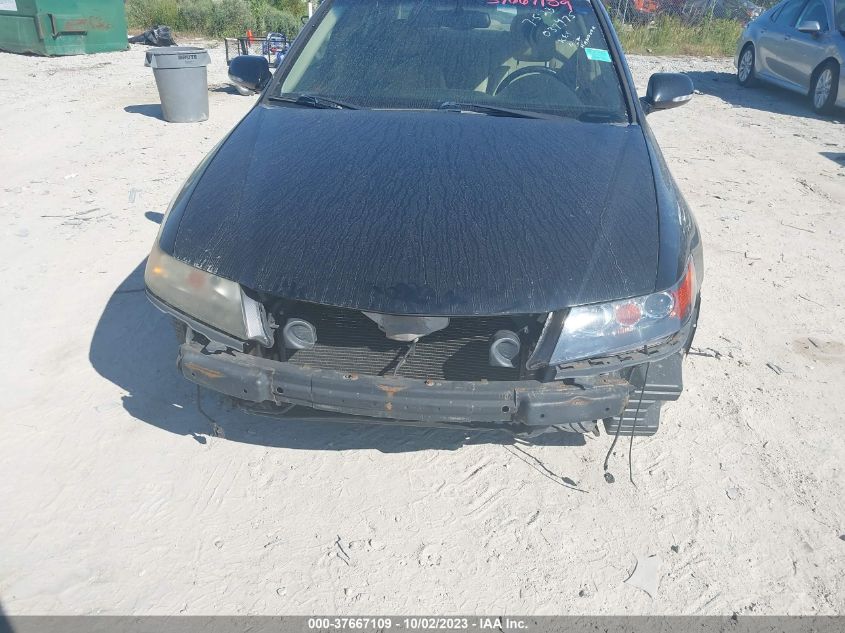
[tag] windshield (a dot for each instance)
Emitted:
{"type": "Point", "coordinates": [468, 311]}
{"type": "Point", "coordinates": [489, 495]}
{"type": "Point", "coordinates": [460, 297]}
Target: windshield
{"type": "Point", "coordinates": [539, 56]}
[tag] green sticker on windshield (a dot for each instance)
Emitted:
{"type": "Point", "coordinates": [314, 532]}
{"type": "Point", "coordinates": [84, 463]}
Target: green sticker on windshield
{"type": "Point", "coordinates": [597, 54]}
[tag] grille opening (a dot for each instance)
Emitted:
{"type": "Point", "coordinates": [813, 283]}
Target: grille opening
{"type": "Point", "coordinates": [349, 342]}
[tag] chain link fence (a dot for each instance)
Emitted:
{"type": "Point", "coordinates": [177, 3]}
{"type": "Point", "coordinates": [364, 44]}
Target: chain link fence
{"type": "Point", "coordinates": [692, 12]}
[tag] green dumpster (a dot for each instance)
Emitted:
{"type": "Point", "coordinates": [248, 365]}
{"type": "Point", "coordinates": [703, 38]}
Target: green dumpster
{"type": "Point", "coordinates": [62, 27]}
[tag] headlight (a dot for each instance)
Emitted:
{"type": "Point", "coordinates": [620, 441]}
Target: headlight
{"type": "Point", "coordinates": [620, 326]}
{"type": "Point", "coordinates": [209, 299]}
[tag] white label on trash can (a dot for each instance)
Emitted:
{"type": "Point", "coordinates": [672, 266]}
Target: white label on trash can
{"type": "Point", "coordinates": [8, 5]}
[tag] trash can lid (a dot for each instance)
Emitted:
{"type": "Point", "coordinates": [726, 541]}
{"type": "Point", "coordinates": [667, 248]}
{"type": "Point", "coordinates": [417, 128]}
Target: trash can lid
{"type": "Point", "coordinates": [177, 57]}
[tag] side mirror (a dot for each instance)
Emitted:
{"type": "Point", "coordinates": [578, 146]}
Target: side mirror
{"type": "Point", "coordinates": [667, 90]}
{"type": "Point", "coordinates": [250, 72]}
{"type": "Point", "coordinates": [812, 27]}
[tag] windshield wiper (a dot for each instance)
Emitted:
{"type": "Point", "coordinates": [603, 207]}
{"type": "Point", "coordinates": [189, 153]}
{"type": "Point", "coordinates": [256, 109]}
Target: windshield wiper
{"type": "Point", "coordinates": [314, 101]}
{"type": "Point", "coordinates": [455, 106]}
{"type": "Point", "coordinates": [600, 116]}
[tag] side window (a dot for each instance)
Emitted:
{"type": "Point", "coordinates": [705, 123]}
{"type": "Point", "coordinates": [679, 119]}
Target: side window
{"type": "Point", "coordinates": [788, 15]}
{"type": "Point", "coordinates": [815, 12]}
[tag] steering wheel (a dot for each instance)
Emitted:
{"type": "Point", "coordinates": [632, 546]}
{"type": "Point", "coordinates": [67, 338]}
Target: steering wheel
{"type": "Point", "coordinates": [524, 71]}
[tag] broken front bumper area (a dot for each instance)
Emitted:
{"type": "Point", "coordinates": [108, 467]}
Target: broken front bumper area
{"type": "Point", "coordinates": [269, 385]}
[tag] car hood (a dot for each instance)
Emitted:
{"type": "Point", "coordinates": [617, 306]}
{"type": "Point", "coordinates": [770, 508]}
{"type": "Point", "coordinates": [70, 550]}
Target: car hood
{"type": "Point", "coordinates": [436, 213]}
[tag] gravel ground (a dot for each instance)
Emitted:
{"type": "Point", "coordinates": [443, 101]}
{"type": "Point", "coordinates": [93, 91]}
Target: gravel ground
{"type": "Point", "coordinates": [121, 496]}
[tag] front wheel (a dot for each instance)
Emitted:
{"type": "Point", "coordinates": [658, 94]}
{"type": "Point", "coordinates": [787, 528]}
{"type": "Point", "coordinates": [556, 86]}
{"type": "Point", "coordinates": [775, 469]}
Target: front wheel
{"type": "Point", "coordinates": [823, 88]}
{"type": "Point", "coordinates": [745, 67]}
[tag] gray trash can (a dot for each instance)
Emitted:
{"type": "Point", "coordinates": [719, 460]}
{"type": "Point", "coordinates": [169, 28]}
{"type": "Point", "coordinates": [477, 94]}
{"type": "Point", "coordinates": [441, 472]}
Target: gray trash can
{"type": "Point", "coordinates": [182, 80]}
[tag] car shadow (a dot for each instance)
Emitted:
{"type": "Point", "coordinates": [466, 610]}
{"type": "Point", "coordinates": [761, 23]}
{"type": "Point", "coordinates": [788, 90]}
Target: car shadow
{"type": "Point", "coordinates": [224, 88]}
{"type": "Point", "coordinates": [152, 110]}
{"type": "Point", "coordinates": [836, 157]}
{"type": "Point", "coordinates": [134, 347]}
{"type": "Point", "coordinates": [5, 624]}
{"type": "Point", "coordinates": [761, 96]}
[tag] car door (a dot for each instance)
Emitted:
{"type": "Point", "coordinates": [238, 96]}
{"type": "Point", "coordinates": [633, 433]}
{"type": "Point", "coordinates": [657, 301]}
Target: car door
{"type": "Point", "coordinates": [804, 51]}
{"type": "Point", "coordinates": [772, 41]}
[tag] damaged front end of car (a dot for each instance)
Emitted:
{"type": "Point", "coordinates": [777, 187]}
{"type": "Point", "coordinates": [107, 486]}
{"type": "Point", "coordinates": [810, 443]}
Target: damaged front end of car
{"type": "Point", "coordinates": [568, 369]}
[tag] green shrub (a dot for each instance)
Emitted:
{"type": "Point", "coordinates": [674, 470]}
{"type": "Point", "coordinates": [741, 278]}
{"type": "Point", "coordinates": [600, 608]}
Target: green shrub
{"type": "Point", "coordinates": [216, 18]}
{"type": "Point", "coordinates": [668, 35]}
{"type": "Point", "coordinates": [230, 18]}
{"type": "Point", "coordinates": [271, 19]}
{"type": "Point", "coordinates": [145, 13]}
{"type": "Point", "coordinates": [194, 16]}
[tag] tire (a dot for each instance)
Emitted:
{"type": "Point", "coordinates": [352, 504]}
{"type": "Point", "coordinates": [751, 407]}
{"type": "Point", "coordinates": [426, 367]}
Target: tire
{"type": "Point", "coordinates": [745, 66]}
{"type": "Point", "coordinates": [823, 87]}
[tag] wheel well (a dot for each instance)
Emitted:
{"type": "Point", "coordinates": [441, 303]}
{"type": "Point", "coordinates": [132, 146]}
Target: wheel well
{"type": "Point", "coordinates": [694, 328]}
{"type": "Point", "coordinates": [821, 65]}
{"type": "Point", "coordinates": [745, 47]}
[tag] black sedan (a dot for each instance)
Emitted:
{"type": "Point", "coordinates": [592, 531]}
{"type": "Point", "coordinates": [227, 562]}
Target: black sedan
{"type": "Point", "coordinates": [439, 212]}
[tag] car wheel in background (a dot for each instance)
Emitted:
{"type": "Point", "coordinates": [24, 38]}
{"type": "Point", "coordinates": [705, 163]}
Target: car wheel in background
{"type": "Point", "coordinates": [745, 66]}
{"type": "Point", "coordinates": [823, 87]}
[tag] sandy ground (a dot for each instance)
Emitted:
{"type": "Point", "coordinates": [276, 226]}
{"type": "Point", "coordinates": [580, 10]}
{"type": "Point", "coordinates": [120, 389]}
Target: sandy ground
{"type": "Point", "coordinates": [118, 496]}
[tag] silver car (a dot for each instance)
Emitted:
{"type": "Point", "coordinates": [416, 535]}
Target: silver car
{"type": "Point", "coordinates": [799, 45]}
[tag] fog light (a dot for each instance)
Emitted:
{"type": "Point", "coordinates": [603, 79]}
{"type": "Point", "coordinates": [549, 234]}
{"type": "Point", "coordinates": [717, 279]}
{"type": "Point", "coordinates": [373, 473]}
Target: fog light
{"type": "Point", "coordinates": [299, 334]}
{"type": "Point", "coordinates": [659, 305]}
{"type": "Point", "coordinates": [504, 348]}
